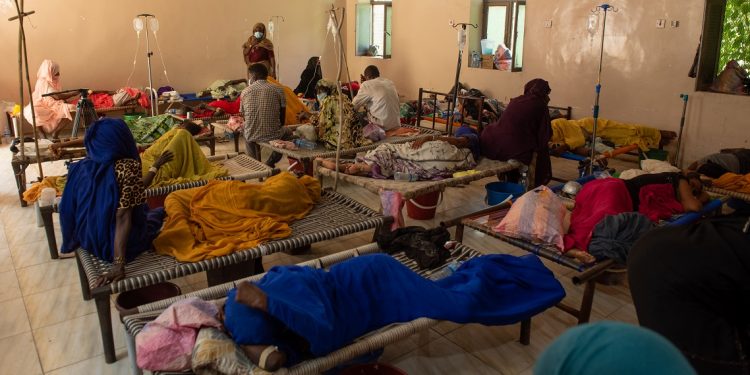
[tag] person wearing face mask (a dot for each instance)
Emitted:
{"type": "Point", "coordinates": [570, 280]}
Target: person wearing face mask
{"type": "Point", "coordinates": [52, 112]}
{"type": "Point", "coordinates": [327, 119]}
{"type": "Point", "coordinates": [259, 50]}
{"type": "Point", "coordinates": [523, 132]}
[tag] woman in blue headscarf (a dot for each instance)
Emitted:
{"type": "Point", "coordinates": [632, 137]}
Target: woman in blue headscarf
{"type": "Point", "coordinates": [103, 208]}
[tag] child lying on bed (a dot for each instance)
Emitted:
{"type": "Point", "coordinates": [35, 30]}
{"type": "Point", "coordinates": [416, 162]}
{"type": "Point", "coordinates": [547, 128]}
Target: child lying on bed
{"type": "Point", "coordinates": [426, 158]}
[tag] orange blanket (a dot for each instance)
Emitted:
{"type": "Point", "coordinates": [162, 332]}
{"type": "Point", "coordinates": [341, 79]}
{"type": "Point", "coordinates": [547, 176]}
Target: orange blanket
{"type": "Point", "coordinates": [734, 182]}
{"type": "Point", "coordinates": [225, 216]}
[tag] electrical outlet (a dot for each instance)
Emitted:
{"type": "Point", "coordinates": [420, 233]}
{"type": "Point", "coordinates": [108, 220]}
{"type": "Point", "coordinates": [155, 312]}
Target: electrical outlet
{"type": "Point", "coordinates": [660, 24]}
{"type": "Point", "coordinates": [675, 23]}
{"type": "Point", "coordinates": [548, 24]}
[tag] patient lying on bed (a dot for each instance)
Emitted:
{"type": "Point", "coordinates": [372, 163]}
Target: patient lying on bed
{"type": "Point", "coordinates": [425, 159]}
{"type": "Point", "coordinates": [296, 312]}
{"type": "Point", "coordinates": [572, 135]}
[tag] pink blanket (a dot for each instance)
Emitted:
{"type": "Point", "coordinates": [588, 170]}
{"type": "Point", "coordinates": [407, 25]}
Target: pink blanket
{"type": "Point", "coordinates": [597, 199]}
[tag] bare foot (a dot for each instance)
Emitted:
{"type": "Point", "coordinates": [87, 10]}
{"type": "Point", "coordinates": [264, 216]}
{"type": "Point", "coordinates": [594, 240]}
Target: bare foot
{"type": "Point", "coordinates": [249, 294]}
{"type": "Point", "coordinates": [581, 256]}
{"type": "Point", "coordinates": [331, 164]}
{"type": "Point", "coordinates": [358, 169]}
{"type": "Point", "coordinates": [274, 358]}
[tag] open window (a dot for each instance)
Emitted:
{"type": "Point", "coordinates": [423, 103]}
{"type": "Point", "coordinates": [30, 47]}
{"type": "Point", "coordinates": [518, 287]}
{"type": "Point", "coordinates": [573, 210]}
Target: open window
{"type": "Point", "coordinates": [373, 28]}
{"type": "Point", "coordinates": [724, 52]}
{"type": "Point", "coordinates": [498, 44]}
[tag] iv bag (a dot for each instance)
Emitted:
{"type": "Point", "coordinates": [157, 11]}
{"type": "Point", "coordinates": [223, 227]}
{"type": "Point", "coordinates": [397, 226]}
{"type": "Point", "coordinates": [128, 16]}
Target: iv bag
{"type": "Point", "coordinates": [593, 24]}
{"type": "Point", "coordinates": [270, 29]}
{"type": "Point", "coordinates": [153, 24]}
{"type": "Point", "coordinates": [138, 24]}
{"type": "Point", "coordinates": [461, 39]}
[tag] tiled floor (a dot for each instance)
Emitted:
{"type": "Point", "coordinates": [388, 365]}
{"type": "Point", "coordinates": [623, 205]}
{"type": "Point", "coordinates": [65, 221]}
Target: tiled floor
{"type": "Point", "coordinates": [46, 327]}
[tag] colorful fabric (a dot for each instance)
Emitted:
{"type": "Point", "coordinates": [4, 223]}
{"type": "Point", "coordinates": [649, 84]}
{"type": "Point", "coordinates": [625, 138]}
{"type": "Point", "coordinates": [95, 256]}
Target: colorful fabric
{"type": "Point", "coordinates": [537, 216]}
{"type": "Point", "coordinates": [294, 106]}
{"type": "Point", "coordinates": [33, 193]}
{"type": "Point", "coordinates": [434, 160]}
{"type": "Point", "coordinates": [392, 203]}
{"type": "Point", "coordinates": [597, 199]}
{"type": "Point", "coordinates": [329, 309]}
{"type": "Point", "coordinates": [166, 344]}
{"type": "Point", "coordinates": [220, 89]}
{"type": "Point", "coordinates": [262, 103]}
{"type": "Point", "coordinates": [48, 110]}
{"type": "Point", "coordinates": [327, 122]}
{"type": "Point", "coordinates": [91, 196]}
{"type": "Point", "coordinates": [130, 182]}
{"type": "Point", "coordinates": [147, 130]}
{"type": "Point", "coordinates": [259, 50]}
{"type": "Point", "coordinates": [231, 107]}
{"type": "Point", "coordinates": [522, 130]}
{"type": "Point", "coordinates": [734, 182]}
{"type": "Point", "coordinates": [611, 348]}
{"type": "Point", "coordinates": [226, 216]}
{"type": "Point", "coordinates": [658, 202]}
{"type": "Point", "coordinates": [636, 184]}
{"type": "Point", "coordinates": [189, 163]}
{"type": "Point", "coordinates": [216, 353]}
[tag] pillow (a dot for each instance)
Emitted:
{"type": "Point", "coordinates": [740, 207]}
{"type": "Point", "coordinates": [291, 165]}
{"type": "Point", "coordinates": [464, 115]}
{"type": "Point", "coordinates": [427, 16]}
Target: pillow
{"type": "Point", "coordinates": [537, 216]}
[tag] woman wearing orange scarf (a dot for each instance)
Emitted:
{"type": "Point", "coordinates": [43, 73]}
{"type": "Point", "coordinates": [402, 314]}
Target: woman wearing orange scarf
{"type": "Point", "coordinates": [258, 49]}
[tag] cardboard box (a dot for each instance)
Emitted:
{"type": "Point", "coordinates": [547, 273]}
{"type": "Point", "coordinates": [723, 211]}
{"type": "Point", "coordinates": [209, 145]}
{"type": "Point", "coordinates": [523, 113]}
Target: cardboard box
{"type": "Point", "coordinates": [488, 62]}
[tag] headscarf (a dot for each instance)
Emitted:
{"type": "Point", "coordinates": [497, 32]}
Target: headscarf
{"type": "Point", "coordinates": [263, 42]}
{"type": "Point", "coordinates": [91, 197]}
{"type": "Point", "coordinates": [537, 87]}
{"type": "Point", "coordinates": [309, 78]}
{"type": "Point", "coordinates": [47, 73]}
{"type": "Point", "coordinates": [611, 348]}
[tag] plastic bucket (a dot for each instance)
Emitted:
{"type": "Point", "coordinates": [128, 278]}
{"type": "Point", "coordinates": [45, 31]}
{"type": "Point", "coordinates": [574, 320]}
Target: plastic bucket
{"type": "Point", "coordinates": [424, 206]}
{"type": "Point", "coordinates": [373, 369]}
{"type": "Point", "coordinates": [498, 192]}
{"type": "Point", "coordinates": [127, 301]}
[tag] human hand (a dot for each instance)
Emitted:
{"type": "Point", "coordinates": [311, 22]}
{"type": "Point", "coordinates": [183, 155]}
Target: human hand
{"type": "Point", "coordinates": [116, 273]}
{"type": "Point", "coordinates": [55, 150]}
{"type": "Point", "coordinates": [164, 158]}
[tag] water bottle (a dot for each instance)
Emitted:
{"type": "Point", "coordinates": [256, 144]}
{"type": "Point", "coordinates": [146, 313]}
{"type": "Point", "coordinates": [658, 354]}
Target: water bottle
{"type": "Point", "coordinates": [447, 270]}
{"type": "Point", "coordinates": [305, 144]}
{"type": "Point", "coordinates": [6, 136]}
{"type": "Point", "coordinates": [405, 176]}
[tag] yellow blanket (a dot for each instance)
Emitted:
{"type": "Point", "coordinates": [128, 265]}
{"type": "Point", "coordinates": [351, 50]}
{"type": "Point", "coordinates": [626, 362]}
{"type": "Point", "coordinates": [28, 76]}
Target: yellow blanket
{"type": "Point", "coordinates": [294, 105]}
{"type": "Point", "coordinates": [734, 182]}
{"type": "Point", "coordinates": [57, 182]}
{"type": "Point", "coordinates": [619, 133]}
{"type": "Point", "coordinates": [225, 216]}
{"type": "Point", "coordinates": [189, 163]}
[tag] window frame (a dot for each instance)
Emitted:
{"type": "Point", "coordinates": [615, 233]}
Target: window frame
{"type": "Point", "coordinates": [511, 25]}
{"type": "Point", "coordinates": [709, 49]}
{"type": "Point", "coordinates": [388, 5]}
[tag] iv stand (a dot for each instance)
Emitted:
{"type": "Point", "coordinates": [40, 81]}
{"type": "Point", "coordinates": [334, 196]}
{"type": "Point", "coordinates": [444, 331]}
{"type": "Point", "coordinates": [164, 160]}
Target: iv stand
{"type": "Point", "coordinates": [23, 64]}
{"type": "Point", "coordinates": [276, 46]}
{"type": "Point", "coordinates": [151, 94]}
{"type": "Point", "coordinates": [454, 103]}
{"type": "Point", "coordinates": [341, 63]}
{"type": "Point", "coordinates": [606, 8]}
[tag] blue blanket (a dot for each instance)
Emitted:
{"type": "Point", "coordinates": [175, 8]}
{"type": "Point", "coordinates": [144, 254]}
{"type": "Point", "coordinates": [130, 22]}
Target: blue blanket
{"type": "Point", "coordinates": [331, 309]}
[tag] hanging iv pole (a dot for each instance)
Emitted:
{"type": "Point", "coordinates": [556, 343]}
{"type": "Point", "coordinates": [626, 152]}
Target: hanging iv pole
{"type": "Point", "coordinates": [461, 45]}
{"type": "Point", "coordinates": [151, 93]}
{"type": "Point", "coordinates": [606, 8]}
{"type": "Point", "coordinates": [336, 25]}
{"type": "Point", "coordinates": [277, 53]}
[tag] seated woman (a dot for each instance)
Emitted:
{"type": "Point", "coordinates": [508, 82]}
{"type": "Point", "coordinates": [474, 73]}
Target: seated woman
{"type": "Point", "coordinates": [327, 120]}
{"type": "Point", "coordinates": [692, 285]}
{"type": "Point", "coordinates": [296, 312]}
{"type": "Point", "coordinates": [427, 159]}
{"type": "Point", "coordinates": [103, 207]}
{"type": "Point", "coordinates": [52, 113]}
{"type": "Point", "coordinates": [523, 132]}
{"type": "Point", "coordinates": [657, 196]}
{"type": "Point", "coordinates": [734, 160]}
{"type": "Point", "coordinates": [308, 81]}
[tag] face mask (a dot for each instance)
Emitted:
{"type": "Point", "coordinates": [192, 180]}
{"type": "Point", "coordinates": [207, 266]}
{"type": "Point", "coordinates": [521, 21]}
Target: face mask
{"type": "Point", "coordinates": [321, 97]}
{"type": "Point", "coordinates": [258, 35]}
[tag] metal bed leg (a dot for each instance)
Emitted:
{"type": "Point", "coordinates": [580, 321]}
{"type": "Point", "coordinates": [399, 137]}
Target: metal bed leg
{"type": "Point", "coordinates": [460, 232]}
{"type": "Point", "coordinates": [19, 172]}
{"type": "Point", "coordinates": [236, 137]}
{"type": "Point", "coordinates": [587, 301]}
{"type": "Point", "coordinates": [212, 146]}
{"type": "Point", "coordinates": [234, 272]}
{"type": "Point", "coordinates": [130, 342]}
{"type": "Point", "coordinates": [526, 331]}
{"type": "Point", "coordinates": [85, 291]}
{"type": "Point", "coordinates": [49, 230]}
{"type": "Point", "coordinates": [103, 309]}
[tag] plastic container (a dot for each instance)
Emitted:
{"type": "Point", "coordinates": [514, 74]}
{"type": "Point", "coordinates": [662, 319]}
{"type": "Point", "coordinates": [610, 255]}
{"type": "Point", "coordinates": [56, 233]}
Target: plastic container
{"type": "Point", "coordinates": [127, 301]}
{"type": "Point", "coordinates": [498, 192]}
{"type": "Point", "coordinates": [373, 369]}
{"type": "Point", "coordinates": [47, 197]}
{"type": "Point", "coordinates": [488, 46]}
{"type": "Point", "coordinates": [403, 176]}
{"type": "Point", "coordinates": [305, 144]}
{"type": "Point", "coordinates": [424, 206]}
{"type": "Point", "coordinates": [448, 270]}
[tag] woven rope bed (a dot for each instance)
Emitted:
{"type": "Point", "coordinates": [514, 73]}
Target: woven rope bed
{"type": "Point", "coordinates": [729, 193]}
{"type": "Point", "coordinates": [334, 216]}
{"type": "Point", "coordinates": [409, 190]}
{"type": "Point", "coordinates": [366, 344]}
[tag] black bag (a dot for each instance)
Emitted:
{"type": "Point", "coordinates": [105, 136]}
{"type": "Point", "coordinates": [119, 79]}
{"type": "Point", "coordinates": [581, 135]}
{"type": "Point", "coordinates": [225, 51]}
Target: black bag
{"type": "Point", "coordinates": [425, 246]}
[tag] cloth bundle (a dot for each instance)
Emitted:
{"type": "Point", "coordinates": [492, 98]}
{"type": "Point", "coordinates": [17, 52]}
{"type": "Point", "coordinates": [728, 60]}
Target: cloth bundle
{"type": "Point", "coordinates": [734, 182]}
{"type": "Point", "coordinates": [537, 216]}
{"type": "Point", "coordinates": [597, 199]}
{"type": "Point", "coordinates": [613, 237]}
{"type": "Point", "coordinates": [425, 246]}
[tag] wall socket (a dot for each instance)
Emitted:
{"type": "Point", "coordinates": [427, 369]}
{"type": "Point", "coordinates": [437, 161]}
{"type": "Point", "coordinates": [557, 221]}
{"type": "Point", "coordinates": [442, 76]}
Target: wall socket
{"type": "Point", "coordinates": [675, 23]}
{"type": "Point", "coordinates": [548, 24]}
{"type": "Point", "coordinates": [660, 24]}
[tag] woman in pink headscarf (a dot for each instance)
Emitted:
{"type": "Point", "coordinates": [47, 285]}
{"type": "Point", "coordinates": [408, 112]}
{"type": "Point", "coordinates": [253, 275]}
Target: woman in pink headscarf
{"type": "Point", "coordinates": [52, 112]}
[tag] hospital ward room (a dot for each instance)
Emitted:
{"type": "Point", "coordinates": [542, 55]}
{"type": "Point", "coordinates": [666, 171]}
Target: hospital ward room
{"type": "Point", "coordinates": [375, 187]}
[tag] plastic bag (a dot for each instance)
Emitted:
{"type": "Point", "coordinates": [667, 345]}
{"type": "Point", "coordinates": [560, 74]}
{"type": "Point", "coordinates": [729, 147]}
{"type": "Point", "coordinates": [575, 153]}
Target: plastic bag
{"type": "Point", "coordinates": [373, 132]}
{"type": "Point", "coordinates": [538, 216]}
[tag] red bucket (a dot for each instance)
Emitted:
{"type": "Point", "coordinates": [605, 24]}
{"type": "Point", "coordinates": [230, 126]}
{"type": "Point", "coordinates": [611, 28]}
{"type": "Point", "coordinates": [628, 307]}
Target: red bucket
{"type": "Point", "coordinates": [373, 369]}
{"type": "Point", "coordinates": [424, 206]}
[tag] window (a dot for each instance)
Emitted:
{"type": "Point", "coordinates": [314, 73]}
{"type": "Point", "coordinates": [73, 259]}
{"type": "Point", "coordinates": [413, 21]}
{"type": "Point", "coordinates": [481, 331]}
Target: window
{"type": "Point", "coordinates": [725, 38]}
{"type": "Point", "coordinates": [502, 33]}
{"type": "Point", "coordinates": [373, 28]}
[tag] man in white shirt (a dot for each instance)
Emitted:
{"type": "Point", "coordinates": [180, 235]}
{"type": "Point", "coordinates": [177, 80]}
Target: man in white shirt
{"type": "Point", "coordinates": [380, 96]}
